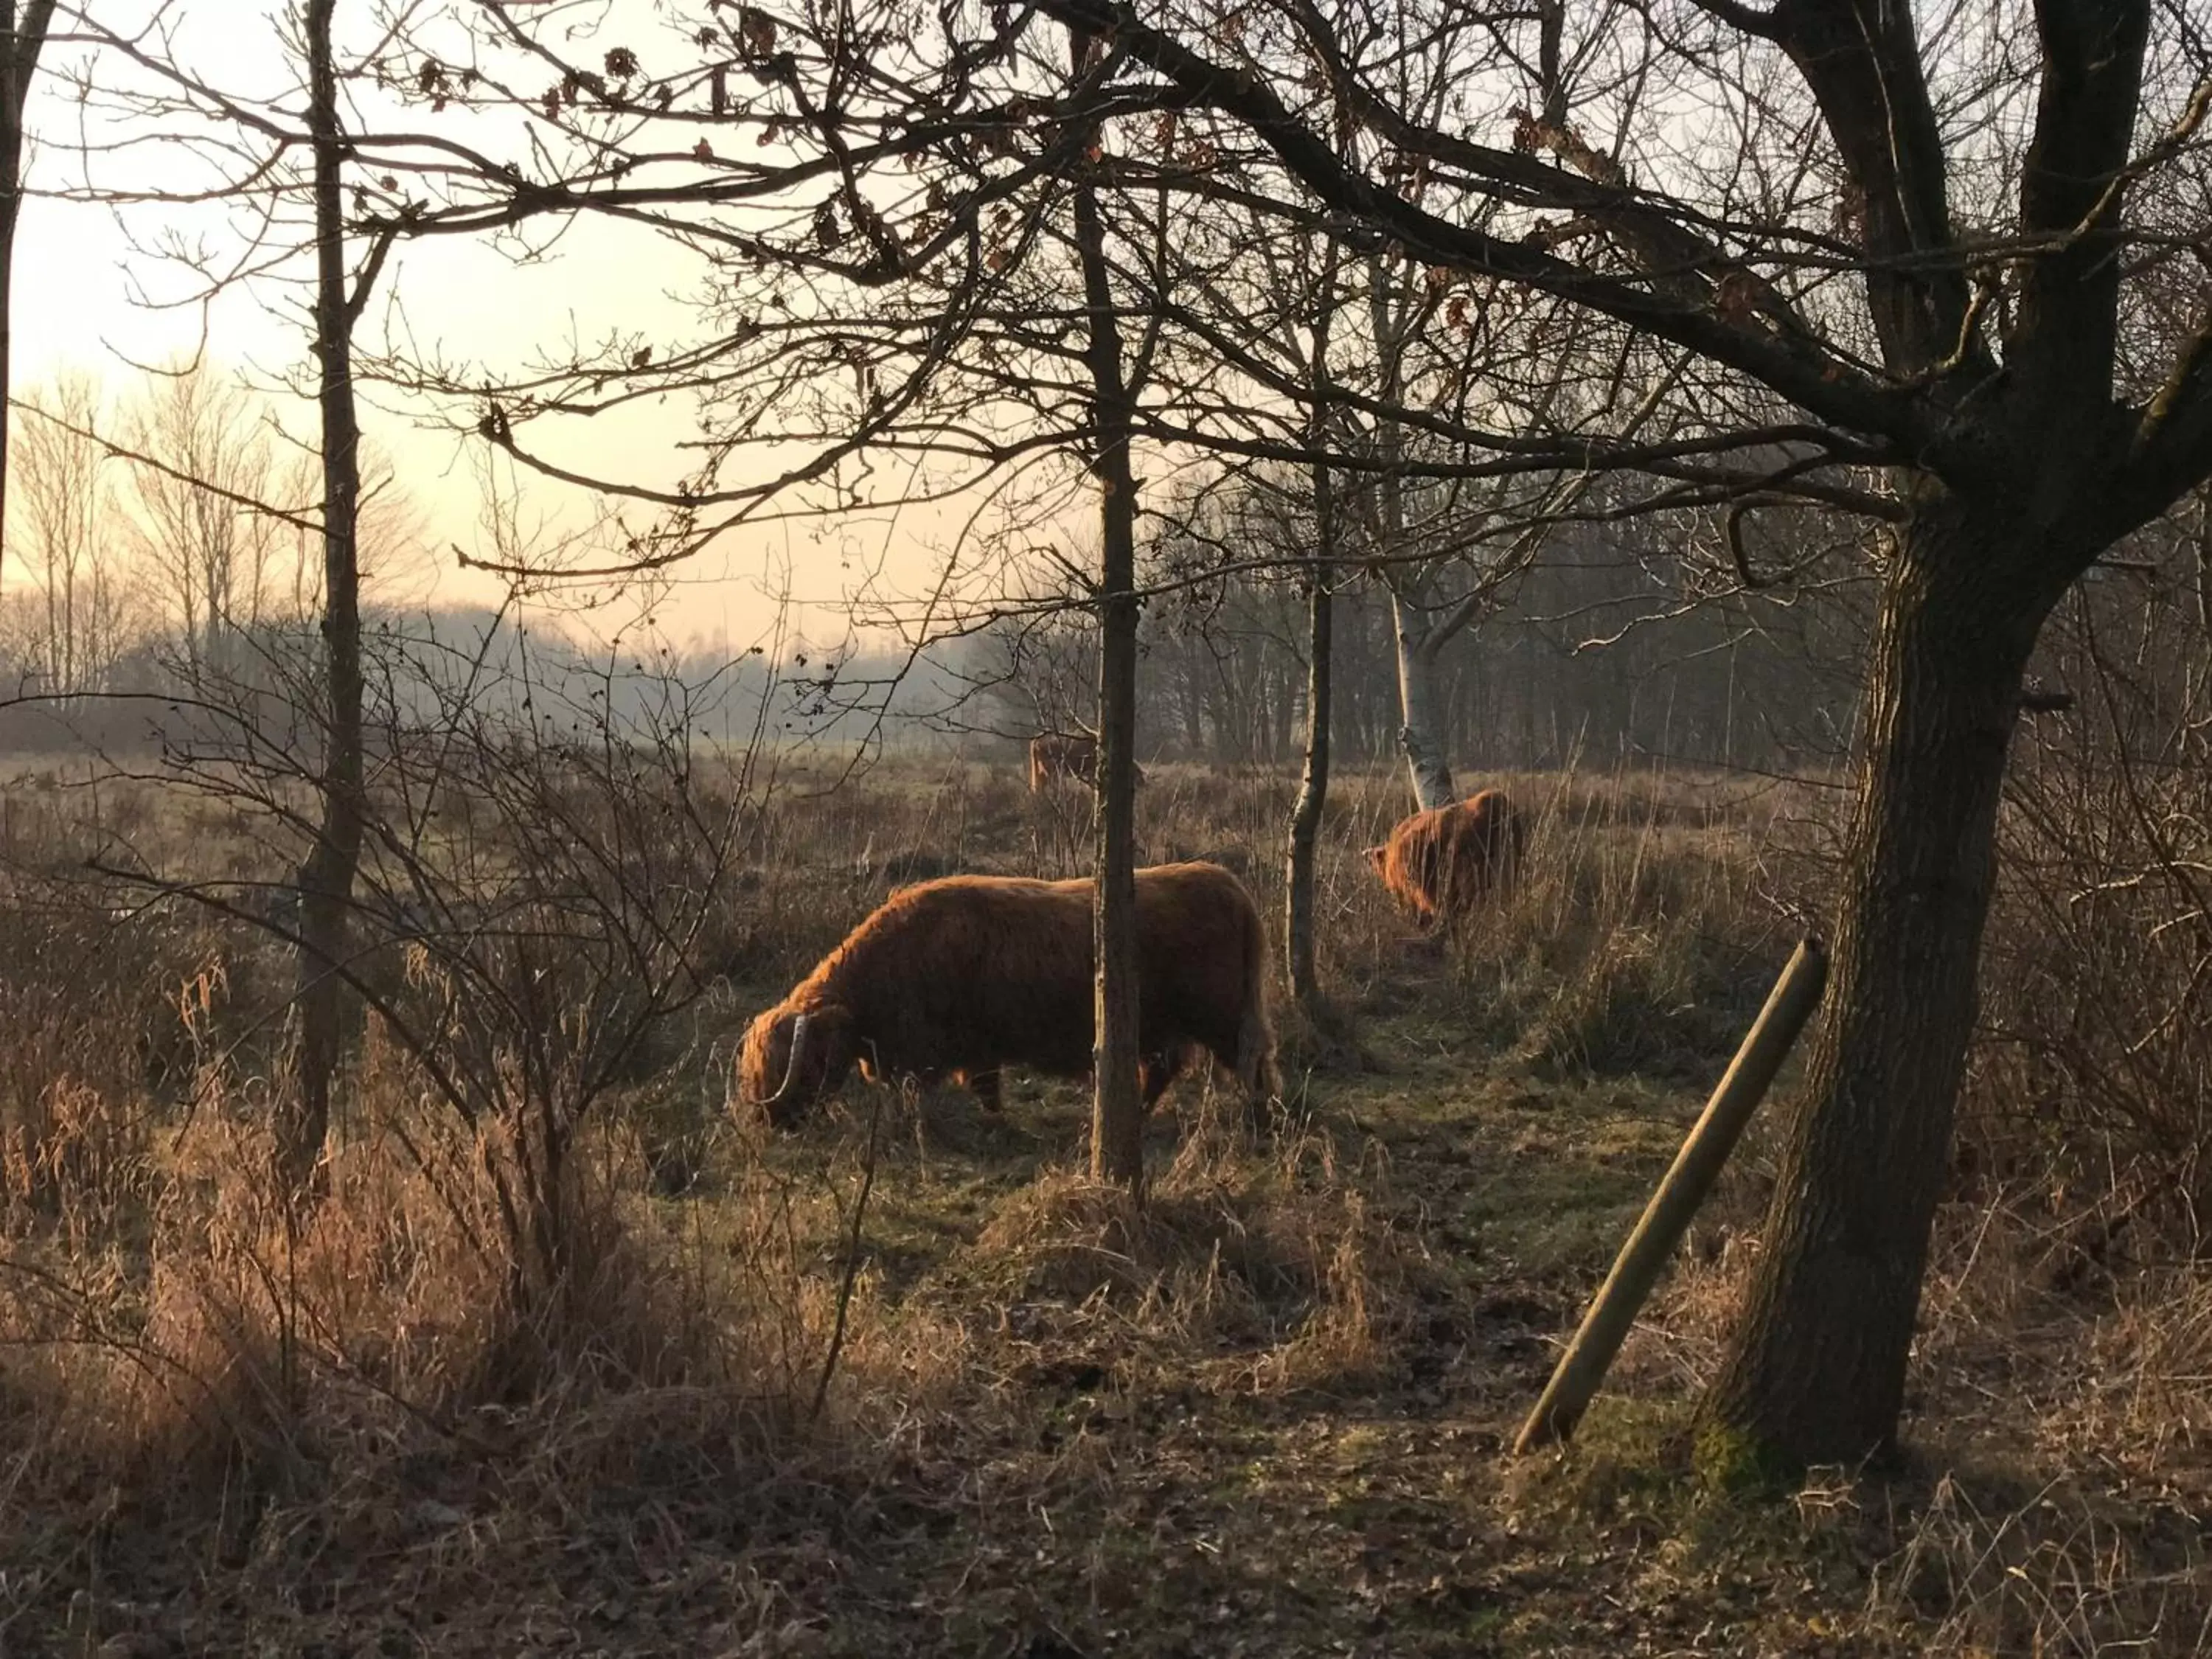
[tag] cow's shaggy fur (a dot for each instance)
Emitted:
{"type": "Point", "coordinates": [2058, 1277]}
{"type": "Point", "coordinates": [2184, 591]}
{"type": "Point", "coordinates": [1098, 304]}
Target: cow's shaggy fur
{"type": "Point", "coordinates": [953, 980]}
{"type": "Point", "coordinates": [1442, 863]}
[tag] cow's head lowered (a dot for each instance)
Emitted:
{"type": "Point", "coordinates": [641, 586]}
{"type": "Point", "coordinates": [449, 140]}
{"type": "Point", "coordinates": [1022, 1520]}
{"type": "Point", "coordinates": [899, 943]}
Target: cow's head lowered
{"type": "Point", "coordinates": [792, 1057]}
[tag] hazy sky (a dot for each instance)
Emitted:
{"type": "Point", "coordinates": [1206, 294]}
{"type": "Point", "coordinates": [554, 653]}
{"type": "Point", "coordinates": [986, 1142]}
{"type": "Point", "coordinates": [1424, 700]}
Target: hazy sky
{"type": "Point", "coordinates": [85, 299]}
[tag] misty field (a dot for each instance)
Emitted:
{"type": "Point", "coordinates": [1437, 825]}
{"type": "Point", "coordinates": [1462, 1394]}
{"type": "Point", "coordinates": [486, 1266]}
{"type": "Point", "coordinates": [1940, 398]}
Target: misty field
{"type": "Point", "coordinates": [905, 1381]}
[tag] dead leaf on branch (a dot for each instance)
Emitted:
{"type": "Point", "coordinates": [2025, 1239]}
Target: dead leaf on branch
{"type": "Point", "coordinates": [756, 31]}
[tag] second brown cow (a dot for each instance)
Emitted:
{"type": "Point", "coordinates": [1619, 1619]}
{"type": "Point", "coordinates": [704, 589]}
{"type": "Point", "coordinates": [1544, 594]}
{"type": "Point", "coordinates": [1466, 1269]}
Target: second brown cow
{"type": "Point", "coordinates": [1442, 863]}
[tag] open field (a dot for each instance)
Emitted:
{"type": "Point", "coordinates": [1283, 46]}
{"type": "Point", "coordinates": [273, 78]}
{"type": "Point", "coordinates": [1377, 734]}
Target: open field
{"type": "Point", "coordinates": [906, 1382]}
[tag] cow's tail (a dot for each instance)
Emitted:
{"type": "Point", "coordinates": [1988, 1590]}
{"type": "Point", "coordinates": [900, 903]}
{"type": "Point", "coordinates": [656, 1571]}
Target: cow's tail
{"type": "Point", "coordinates": [1256, 1035]}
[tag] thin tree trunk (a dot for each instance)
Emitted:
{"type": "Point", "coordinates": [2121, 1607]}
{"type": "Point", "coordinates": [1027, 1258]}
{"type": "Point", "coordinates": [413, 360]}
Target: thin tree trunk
{"type": "Point", "coordinates": [1194, 704]}
{"type": "Point", "coordinates": [1817, 1371]}
{"type": "Point", "coordinates": [1420, 717]}
{"type": "Point", "coordinates": [1313, 787]}
{"type": "Point", "coordinates": [22, 40]}
{"type": "Point", "coordinates": [326, 876]}
{"type": "Point", "coordinates": [1420, 711]}
{"type": "Point", "coordinates": [1320, 665]}
{"type": "Point", "coordinates": [1117, 1124]}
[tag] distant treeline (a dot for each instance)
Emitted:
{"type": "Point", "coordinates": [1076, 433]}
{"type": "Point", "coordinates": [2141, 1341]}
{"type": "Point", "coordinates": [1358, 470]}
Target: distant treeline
{"type": "Point", "coordinates": [432, 669]}
{"type": "Point", "coordinates": [1610, 645]}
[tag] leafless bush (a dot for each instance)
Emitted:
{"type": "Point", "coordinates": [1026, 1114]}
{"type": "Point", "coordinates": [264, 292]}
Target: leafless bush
{"type": "Point", "coordinates": [544, 893]}
{"type": "Point", "coordinates": [2093, 1078]}
{"type": "Point", "coordinates": [2068, 1430]}
{"type": "Point", "coordinates": [104, 1011]}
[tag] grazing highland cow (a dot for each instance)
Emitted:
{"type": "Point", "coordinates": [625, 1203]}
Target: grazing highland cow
{"type": "Point", "coordinates": [1441, 864]}
{"type": "Point", "coordinates": [1052, 756]}
{"type": "Point", "coordinates": [954, 980]}
{"type": "Point", "coordinates": [1055, 755]}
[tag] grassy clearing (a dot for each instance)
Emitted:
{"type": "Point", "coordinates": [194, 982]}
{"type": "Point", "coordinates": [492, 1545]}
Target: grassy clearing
{"type": "Point", "coordinates": [999, 1415]}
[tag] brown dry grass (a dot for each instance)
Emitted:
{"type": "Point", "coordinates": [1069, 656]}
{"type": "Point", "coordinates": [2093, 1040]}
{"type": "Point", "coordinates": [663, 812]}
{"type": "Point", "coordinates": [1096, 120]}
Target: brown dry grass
{"type": "Point", "coordinates": [1264, 1416]}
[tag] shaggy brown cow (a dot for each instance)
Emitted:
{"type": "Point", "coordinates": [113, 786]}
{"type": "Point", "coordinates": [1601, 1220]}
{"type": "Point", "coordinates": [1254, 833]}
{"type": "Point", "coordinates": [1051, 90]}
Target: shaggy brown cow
{"type": "Point", "coordinates": [1055, 755]}
{"type": "Point", "coordinates": [1052, 756]}
{"type": "Point", "coordinates": [958, 978]}
{"type": "Point", "coordinates": [1441, 863]}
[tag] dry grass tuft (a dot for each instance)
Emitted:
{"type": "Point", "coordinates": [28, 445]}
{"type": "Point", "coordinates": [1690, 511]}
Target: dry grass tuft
{"type": "Point", "coordinates": [2052, 1571]}
{"type": "Point", "coordinates": [1630, 943]}
{"type": "Point", "coordinates": [1265, 1264]}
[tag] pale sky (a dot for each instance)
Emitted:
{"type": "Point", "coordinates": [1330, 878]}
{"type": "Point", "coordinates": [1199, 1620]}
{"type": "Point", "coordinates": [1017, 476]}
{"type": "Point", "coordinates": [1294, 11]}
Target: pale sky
{"type": "Point", "coordinates": [79, 303]}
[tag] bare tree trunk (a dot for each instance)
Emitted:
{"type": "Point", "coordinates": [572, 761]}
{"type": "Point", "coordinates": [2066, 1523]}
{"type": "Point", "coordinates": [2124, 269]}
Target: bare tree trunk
{"type": "Point", "coordinates": [1117, 1123]}
{"type": "Point", "coordinates": [1320, 665]}
{"type": "Point", "coordinates": [1379, 698]}
{"type": "Point", "coordinates": [1817, 1371]}
{"type": "Point", "coordinates": [1313, 792]}
{"type": "Point", "coordinates": [326, 876]}
{"type": "Point", "coordinates": [1420, 710]}
{"type": "Point", "coordinates": [1117, 1133]}
{"type": "Point", "coordinates": [21, 42]}
{"type": "Point", "coordinates": [1420, 714]}
{"type": "Point", "coordinates": [1192, 701]}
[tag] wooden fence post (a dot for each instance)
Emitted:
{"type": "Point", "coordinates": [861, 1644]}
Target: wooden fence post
{"type": "Point", "coordinates": [1582, 1368]}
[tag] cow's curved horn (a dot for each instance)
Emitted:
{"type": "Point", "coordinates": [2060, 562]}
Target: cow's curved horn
{"type": "Point", "coordinates": [791, 1070]}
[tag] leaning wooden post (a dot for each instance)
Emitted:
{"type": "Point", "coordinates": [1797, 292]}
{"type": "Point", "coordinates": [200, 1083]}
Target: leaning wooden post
{"type": "Point", "coordinates": [1665, 1218]}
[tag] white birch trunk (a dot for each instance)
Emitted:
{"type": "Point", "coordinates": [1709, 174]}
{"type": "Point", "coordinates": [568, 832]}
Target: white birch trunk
{"type": "Point", "coordinates": [1421, 721]}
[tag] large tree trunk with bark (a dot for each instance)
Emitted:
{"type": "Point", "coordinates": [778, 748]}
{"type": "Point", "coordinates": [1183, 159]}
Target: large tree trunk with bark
{"type": "Point", "coordinates": [326, 875]}
{"type": "Point", "coordinates": [1817, 1371]}
{"type": "Point", "coordinates": [1117, 1123]}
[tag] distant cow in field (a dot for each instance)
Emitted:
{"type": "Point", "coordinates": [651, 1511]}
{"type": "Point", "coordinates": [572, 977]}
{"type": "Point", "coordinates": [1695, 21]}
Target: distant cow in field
{"type": "Point", "coordinates": [1058, 755]}
{"type": "Point", "coordinates": [955, 979]}
{"type": "Point", "coordinates": [1055, 755]}
{"type": "Point", "coordinates": [1441, 863]}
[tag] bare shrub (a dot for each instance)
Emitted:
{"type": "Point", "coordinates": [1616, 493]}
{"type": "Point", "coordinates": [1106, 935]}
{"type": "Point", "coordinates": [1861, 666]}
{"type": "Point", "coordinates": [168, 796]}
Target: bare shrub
{"type": "Point", "coordinates": [2069, 1433]}
{"type": "Point", "coordinates": [2052, 1574]}
{"type": "Point", "coordinates": [2093, 1076]}
{"type": "Point", "coordinates": [100, 1010]}
{"type": "Point", "coordinates": [290, 1352]}
{"type": "Point", "coordinates": [543, 894]}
